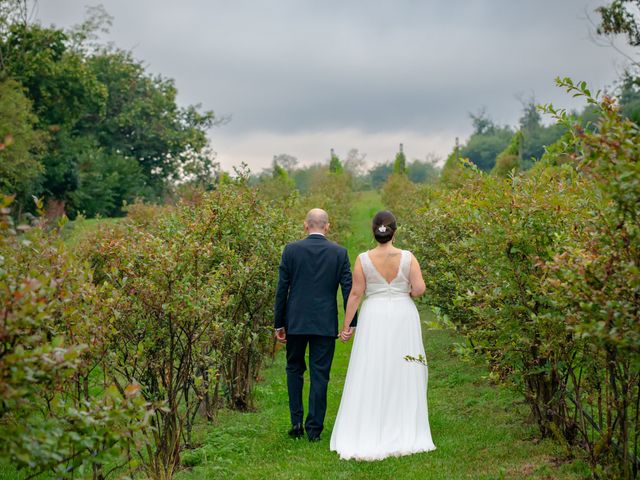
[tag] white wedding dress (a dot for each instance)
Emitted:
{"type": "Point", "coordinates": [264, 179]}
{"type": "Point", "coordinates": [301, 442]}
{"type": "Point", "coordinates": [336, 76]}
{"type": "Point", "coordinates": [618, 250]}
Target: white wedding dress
{"type": "Point", "coordinates": [383, 411]}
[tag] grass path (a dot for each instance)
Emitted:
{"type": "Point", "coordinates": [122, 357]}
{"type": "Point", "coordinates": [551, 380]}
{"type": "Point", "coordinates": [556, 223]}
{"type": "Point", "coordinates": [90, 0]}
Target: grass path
{"type": "Point", "coordinates": [478, 428]}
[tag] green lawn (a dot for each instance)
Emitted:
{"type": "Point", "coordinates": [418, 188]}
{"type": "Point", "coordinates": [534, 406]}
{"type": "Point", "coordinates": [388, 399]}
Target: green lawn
{"type": "Point", "coordinates": [479, 428]}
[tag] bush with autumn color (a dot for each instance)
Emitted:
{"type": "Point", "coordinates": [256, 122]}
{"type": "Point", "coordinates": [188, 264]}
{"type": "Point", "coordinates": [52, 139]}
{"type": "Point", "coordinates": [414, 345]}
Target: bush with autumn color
{"type": "Point", "coordinates": [541, 271]}
{"type": "Point", "coordinates": [188, 303]}
{"type": "Point", "coordinates": [57, 413]}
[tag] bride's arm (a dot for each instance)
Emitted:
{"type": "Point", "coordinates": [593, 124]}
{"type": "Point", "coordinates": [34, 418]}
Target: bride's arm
{"type": "Point", "coordinates": [415, 278]}
{"type": "Point", "coordinates": [357, 290]}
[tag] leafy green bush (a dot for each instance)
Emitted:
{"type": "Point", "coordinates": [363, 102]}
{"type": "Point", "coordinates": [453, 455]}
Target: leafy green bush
{"type": "Point", "coordinates": [52, 418]}
{"type": "Point", "coordinates": [541, 272]}
{"type": "Point", "coordinates": [188, 300]}
{"type": "Point", "coordinates": [594, 284]}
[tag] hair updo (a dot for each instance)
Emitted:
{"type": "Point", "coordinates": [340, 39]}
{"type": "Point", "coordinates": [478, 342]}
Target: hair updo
{"type": "Point", "coordinates": [384, 226]}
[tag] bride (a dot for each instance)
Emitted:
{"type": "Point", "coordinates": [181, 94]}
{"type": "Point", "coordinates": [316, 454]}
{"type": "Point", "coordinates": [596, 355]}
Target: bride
{"type": "Point", "coordinates": [383, 411]}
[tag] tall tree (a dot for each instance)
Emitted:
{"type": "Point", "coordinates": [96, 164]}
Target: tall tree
{"type": "Point", "coordinates": [400, 162]}
{"type": "Point", "coordinates": [335, 165]}
{"type": "Point", "coordinates": [142, 119]}
{"type": "Point", "coordinates": [102, 111]}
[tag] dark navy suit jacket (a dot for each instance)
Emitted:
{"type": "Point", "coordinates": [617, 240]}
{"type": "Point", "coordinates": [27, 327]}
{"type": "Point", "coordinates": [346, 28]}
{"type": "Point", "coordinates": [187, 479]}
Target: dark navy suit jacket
{"type": "Point", "coordinates": [309, 275]}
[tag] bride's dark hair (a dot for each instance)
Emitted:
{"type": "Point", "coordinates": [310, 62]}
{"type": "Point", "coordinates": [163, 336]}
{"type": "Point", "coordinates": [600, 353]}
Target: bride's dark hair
{"type": "Point", "coordinates": [384, 226]}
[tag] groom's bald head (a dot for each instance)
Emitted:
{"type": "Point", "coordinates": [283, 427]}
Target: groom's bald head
{"type": "Point", "coordinates": [317, 220]}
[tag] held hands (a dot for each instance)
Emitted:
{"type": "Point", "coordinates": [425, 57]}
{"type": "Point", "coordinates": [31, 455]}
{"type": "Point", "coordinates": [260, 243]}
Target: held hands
{"type": "Point", "coordinates": [281, 335]}
{"type": "Point", "coordinates": [346, 334]}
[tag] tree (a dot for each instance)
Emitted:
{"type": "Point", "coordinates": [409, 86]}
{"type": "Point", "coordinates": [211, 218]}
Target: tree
{"type": "Point", "coordinates": [535, 136]}
{"type": "Point", "coordinates": [59, 83]}
{"type": "Point", "coordinates": [619, 18]}
{"type": "Point", "coordinates": [483, 148]}
{"type": "Point", "coordinates": [106, 182]}
{"type": "Point", "coordinates": [304, 177]}
{"type": "Point", "coordinates": [335, 165]}
{"type": "Point", "coordinates": [482, 124]}
{"type": "Point", "coordinates": [355, 162]}
{"type": "Point", "coordinates": [142, 119]}
{"type": "Point", "coordinates": [509, 159]}
{"type": "Point", "coordinates": [629, 92]}
{"type": "Point", "coordinates": [20, 143]}
{"type": "Point", "coordinates": [379, 173]}
{"type": "Point", "coordinates": [424, 171]}
{"type": "Point", "coordinates": [400, 162]}
{"type": "Point", "coordinates": [288, 162]}
{"type": "Point", "coordinates": [87, 96]}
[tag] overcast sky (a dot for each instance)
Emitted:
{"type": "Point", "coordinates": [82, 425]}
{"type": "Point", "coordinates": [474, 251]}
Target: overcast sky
{"type": "Point", "coordinates": [302, 76]}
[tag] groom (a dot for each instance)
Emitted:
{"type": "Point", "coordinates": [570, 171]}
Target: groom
{"type": "Point", "coordinates": [306, 313]}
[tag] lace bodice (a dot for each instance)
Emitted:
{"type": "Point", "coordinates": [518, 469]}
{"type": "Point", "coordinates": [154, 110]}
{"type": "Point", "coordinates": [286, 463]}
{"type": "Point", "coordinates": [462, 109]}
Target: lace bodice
{"type": "Point", "coordinates": [377, 284]}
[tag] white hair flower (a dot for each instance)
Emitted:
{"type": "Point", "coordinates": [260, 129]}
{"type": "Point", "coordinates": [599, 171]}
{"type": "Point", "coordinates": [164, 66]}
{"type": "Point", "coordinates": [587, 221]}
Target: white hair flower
{"type": "Point", "coordinates": [382, 229]}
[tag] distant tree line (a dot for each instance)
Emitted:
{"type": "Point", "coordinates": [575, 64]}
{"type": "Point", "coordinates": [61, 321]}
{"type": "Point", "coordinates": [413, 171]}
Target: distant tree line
{"type": "Point", "coordinates": [354, 164]}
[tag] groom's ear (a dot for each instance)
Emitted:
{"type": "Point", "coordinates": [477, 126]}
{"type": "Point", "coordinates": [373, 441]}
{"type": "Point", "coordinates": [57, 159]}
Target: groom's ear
{"type": "Point", "coordinates": [326, 227]}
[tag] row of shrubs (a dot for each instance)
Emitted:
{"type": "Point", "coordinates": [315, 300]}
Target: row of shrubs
{"type": "Point", "coordinates": [541, 272]}
{"type": "Point", "coordinates": [110, 352]}
{"type": "Point", "coordinates": [114, 345]}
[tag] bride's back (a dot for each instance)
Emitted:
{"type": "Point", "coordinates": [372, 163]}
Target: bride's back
{"type": "Point", "coordinates": [386, 261]}
{"type": "Point", "coordinates": [386, 272]}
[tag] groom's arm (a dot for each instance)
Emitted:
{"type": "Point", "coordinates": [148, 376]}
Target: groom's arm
{"type": "Point", "coordinates": [282, 292]}
{"type": "Point", "coordinates": [346, 281]}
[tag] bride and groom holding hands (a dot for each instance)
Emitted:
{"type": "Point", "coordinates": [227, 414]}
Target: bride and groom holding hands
{"type": "Point", "coordinates": [383, 411]}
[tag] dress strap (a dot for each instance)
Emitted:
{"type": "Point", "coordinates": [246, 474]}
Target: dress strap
{"type": "Point", "coordinates": [364, 261]}
{"type": "Point", "coordinates": [405, 263]}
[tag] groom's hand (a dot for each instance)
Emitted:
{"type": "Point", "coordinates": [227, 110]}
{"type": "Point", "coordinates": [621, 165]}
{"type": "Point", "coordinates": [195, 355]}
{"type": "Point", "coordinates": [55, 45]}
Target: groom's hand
{"type": "Point", "coordinates": [281, 335]}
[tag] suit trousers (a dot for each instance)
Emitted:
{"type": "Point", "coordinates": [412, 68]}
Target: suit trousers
{"type": "Point", "coordinates": [321, 350]}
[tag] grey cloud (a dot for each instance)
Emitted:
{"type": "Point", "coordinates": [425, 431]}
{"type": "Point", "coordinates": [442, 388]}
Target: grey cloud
{"type": "Point", "coordinates": [292, 66]}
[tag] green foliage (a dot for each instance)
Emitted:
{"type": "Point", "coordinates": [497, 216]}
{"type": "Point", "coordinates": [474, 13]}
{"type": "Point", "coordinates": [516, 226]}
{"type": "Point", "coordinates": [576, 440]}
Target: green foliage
{"type": "Point", "coordinates": [52, 419]}
{"type": "Point", "coordinates": [59, 82]}
{"type": "Point", "coordinates": [420, 171]}
{"type": "Point", "coordinates": [509, 159]}
{"type": "Point", "coordinates": [379, 173]}
{"type": "Point", "coordinates": [483, 147]}
{"type": "Point", "coordinates": [630, 97]}
{"type": "Point", "coordinates": [506, 164]}
{"type": "Point", "coordinates": [540, 272]}
{"type": "Point", "coordinates": [116, 131]}
{"type": "Point", "coordinates": [399, 194]}
{"type": "Point", "coordinates": [619, 17]}
{"type": "Point", "coordinates": [489, 140]}
{"type": "Point", "coordinates": [400, 163]}
{"type": "Point", "coordinates": [20, 170]}
{"type": "Point", "coordinates": [456, 170]}
{"type": "Point", "coordinates": [142, 119]}
{"type": "Point", "coordinates": [335, 165]}
{"type": "Point", "coordinates": [595, 281]}
{"type": "Point", "coordinates": [304, 177]}
{"type": "Point", "coordinates": [106, 182]}
{"type": "Point", "coordinates": [535, 137]}
{"type": "Point", "coordinates": [187, 294]}
{"type": "Point", "coordinates": [277, 188]}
